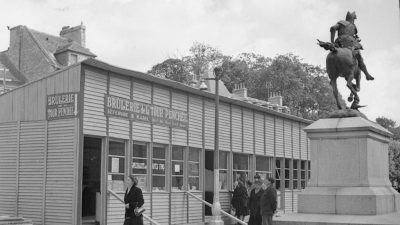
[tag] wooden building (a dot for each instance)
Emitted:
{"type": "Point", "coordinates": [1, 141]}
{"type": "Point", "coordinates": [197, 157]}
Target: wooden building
{"type": "Point", "coordinates": [67, 138]}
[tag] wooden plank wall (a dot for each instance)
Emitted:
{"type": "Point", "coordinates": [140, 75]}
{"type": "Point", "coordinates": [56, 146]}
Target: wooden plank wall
{"type": "Point", "coordinates": [279, 138]}
{"type": "Point", "coordinates": [259, 134]}
{"type": "Point", "coordinates": [160, 207]}
{"type": "Point", "coordinates": [269, 135]}
{"type": "Point", "coordinates": [161, 97]}
{"type": "Point", "coordinates": [224, 127]}
{"type": "Point", "coordinates": [119, 86]}
{"type": "Point", "coordinates": [8, 168]}
{"type": "Point", "coordinates": [248, 132]}
{"type": "Point", "coordinates": [236, 129]}
{"type": "Point", "coordinates": [179, 101]}
{"type": "Point", "coordinates": [209, 124]}
{"type": "Point", "coordinates": [195, 121]}
{"type": "Point", "coordinates": [29, 102]}
{"type": "Point", "coordinates": [142, 91]}
{"type": "Point", "coordinates": [194, 208]}
{"type": "Point", "coordinates": [178, 208]}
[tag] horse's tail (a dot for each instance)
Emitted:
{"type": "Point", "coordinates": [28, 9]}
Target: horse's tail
{"type": "Point", "coordinates": [327, 46]}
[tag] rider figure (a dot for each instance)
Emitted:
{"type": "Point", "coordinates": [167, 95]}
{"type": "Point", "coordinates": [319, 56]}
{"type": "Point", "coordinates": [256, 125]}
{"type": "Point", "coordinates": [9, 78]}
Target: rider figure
{"type": "Point", "coordinates": [348, 38]}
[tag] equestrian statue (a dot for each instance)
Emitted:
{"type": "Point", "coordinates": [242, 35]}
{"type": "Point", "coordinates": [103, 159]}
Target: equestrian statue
{"type": "Point", "coordinates": [345, 59]}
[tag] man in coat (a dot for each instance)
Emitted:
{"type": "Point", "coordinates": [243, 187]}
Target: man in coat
{"type": "Point", "coordinates": [268, 201]}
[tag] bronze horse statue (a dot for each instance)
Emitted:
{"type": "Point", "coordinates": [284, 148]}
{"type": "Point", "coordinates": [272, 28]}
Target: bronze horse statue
{"type": "Point", "coordinates": [341, 62]}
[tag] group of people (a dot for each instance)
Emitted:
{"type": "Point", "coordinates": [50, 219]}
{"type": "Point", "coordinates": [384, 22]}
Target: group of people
{"type": "Point", "coordinates": [258, 200]}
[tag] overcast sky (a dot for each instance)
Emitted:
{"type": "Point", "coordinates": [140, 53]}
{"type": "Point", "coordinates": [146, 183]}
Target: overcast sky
{"type": "Point", "coordinates": [136, 34]}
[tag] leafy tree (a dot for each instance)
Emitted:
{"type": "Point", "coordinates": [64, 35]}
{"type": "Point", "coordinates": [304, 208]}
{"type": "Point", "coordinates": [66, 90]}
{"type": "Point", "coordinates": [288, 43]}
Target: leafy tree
{"type": "Point", "coordinates": [173, 69]}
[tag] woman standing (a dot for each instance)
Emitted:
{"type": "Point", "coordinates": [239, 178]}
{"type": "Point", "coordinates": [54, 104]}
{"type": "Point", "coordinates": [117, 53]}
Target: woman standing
{"type": "Point", "coordinates": [133, 198]}
{"type": "Point", "coordinates": [239, 200]}
{"type": "Point", "coordinates": [254, 203]}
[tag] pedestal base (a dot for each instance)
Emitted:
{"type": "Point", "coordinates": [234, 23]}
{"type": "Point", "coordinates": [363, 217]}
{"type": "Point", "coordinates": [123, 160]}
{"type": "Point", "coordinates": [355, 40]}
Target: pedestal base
{"type": "Point", "coordinates": [349, 200]}
{"type": "Point", "coordinates": [328, 219]}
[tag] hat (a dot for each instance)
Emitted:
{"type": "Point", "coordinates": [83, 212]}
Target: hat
{"type": "Point", "coordinates": [257, 176]}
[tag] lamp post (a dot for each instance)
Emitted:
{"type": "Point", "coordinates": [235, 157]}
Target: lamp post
{"type": "Point", "coordinates": [216, 210]}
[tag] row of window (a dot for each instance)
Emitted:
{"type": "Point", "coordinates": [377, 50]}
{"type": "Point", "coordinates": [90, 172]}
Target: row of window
{"type": "Point", "coordinates": [153, 168]}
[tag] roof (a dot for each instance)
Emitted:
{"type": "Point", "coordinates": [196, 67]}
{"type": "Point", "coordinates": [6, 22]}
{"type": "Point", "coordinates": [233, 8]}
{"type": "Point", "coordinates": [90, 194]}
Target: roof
{"type": "Point", "coordinates": [75, 47]}
{"type": "Point", "coordinates": [182, 87]}
{"type": "Point", "coordinates": [12, 73]}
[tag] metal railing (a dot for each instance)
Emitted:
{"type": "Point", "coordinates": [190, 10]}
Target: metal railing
{"type": "Point", "coordinates": [122, 201]}
{"type": "Point", "coordinates": [210, 205]}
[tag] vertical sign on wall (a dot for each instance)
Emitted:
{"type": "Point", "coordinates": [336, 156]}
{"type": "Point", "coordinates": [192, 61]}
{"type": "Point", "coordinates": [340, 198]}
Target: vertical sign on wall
{"type": "Point", "coordinates": [62, 106]}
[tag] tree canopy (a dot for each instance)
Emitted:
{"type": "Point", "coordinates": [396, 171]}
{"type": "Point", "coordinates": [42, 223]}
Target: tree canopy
{"type": "Point", "coordinates": [304, 87]}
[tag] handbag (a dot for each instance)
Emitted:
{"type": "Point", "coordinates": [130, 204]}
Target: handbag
{"type": "Point", "coordinates": [139, 210]}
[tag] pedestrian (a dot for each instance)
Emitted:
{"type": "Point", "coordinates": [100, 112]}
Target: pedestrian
{"type": "Point", "coordinates": [133, 198]}
{"type": "Point", "coordinates": [254, 204]}
{"type": "Point", "coordinates": [249, 187]}
{"type": "Point", "coordinates": [268, 201]}
{"type": "Point", "coordinates": [239, 200]}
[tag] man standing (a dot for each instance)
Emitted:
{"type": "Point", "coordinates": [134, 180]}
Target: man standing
{"type": "Point", "coordinates": [348, 38]}
{"type": "Point", "coordinates": [268, 201]}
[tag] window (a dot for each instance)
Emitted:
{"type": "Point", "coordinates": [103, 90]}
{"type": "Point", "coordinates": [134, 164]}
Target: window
{"type": "Point", "coordinates": [223, 170]}
{"type": "Point", "coordinates": [287, 173]}
{"type": "Point", "coordinates": [264, 167]}
{"type": "Point", "coordinates": [303, 174]}
{"type": "Point", "coordinates": [74, 59]}
{"type": "Point", "coordinates": [158, 167]}
{"type": "Point", "coordinates": [116, 166]}
{"type": "Point", "coordinates": [278, 173]}
{"type": "Point", "coordinates": [139, 164]}
{"type": "Point", "coordinates": [240, 167]}
{"type": "Point", "coordinates": [177, 167]}
{"type": "Point", "coordinates": [194, 169]}
{"type": "Point", "coordinates": [309, 170]}
{"type": "Point", "coordinates": [295, 174]}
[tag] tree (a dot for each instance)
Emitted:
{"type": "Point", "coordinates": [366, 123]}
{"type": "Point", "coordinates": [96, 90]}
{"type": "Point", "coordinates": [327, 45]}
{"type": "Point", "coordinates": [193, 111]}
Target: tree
{"type": "Point", "coordinates": [173, 69]}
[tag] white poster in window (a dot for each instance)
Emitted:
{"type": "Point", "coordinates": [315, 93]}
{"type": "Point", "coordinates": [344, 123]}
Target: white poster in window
{"type": "Point", "coordinates": [177, 168]}
{"type": "Point", "coordinates": [114, 165]}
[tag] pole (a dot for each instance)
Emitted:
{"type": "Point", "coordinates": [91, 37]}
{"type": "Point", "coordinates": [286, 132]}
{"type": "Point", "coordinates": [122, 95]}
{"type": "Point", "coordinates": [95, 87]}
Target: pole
{"type": "Point", "coordinates": [4, 80]}
{"type": "Point", "coordinates": [216, 220]}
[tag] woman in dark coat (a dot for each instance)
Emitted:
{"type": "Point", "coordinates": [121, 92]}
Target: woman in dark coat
{"type": "Point", "coordinates": [254, 203]}
{"type": "Point", "coordinates": [239, 200]}
{"type": "Point", "coordinates": [133, 198]}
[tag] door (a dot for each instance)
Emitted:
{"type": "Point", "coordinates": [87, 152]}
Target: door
{"type": "Point", "coordinates": [91, 180]}
{"type": "Point", "coordinates": [208, 179]}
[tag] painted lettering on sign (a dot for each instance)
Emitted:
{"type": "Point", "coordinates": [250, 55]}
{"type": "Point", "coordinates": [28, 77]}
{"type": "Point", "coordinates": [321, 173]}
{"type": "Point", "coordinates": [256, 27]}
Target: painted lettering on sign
{"type": "Point", "coordinates": [62, 106]}
{"type": "Point", "coordinates": [144, 112]}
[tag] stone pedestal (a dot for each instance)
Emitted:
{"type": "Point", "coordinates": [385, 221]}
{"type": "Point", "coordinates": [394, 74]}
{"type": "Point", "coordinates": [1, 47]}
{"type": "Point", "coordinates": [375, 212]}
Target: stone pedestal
{"type": "Point", "coordinates": [349, 170]}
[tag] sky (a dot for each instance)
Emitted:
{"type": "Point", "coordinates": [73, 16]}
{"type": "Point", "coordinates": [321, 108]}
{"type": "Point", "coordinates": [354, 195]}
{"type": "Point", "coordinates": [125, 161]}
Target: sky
{"type": "Point", "coordinates": [137, 34]}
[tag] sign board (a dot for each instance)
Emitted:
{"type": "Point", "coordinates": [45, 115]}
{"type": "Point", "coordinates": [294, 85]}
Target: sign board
{"type": "Point", "coordinates": [62, 106]}
{"type": "Point", "coordinates": [144, 112]}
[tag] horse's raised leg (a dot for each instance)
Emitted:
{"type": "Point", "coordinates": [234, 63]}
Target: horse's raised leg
{"type": "Point", "coordinates": [353, 90]}
{"type": "Point", "coordinates": [335, 93]}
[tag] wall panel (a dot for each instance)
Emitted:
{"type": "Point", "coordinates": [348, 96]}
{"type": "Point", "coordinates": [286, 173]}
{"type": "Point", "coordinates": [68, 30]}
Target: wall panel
{"type": "Point", "coordinates": [296, 140]}
{"type": "Point", "coordinates": [259, 133]}
{"type": "Point", "coordinates": [195, 209]}
{"type": "Point", "coordinates": [248, 132]}
{"type": "Point", "coordinates": [115, 210]}
{"type": "Point", "coordinates": [269, 135]}
{"type": "Point", "coordinates": [179, 101]}
{"type": "Point", "coordinates": [60, 179]}
{"type": "Point", "coordinates": [121, 87]}
{"type": "Point", "coordinates": [288, 138]}
{"type": "Point", "coordinates": [209, 127]}
{"type": "Point", "coordinates": [8, 168]}
{"type": "Point", "coordinates": [161, 96]}
{"type": "Point", "coordinates": [236, 129]}
{"type": "Point", "coordinates": [160, 207]}
{"type": "Point", "coordinates": [31, 169]}
{"type": "Point", "coordinates": [160, 134]}
{"type": "Point", "coordinates": [279, 151]}
{"type": "Point", "coordinates": [195, 121]}
{"type": "Point", "coordinates": [303, 143]}
{"type": "Point", "coordinates": [178, 208]}
{"type": "Point", "coordinates": [141, 91]}
{"type": "Point", "coordinates": [141, 131]}
{"type": "Point", "coordinates": [94, 120]}
{"type": "Point", "coordinates": [224, 127]}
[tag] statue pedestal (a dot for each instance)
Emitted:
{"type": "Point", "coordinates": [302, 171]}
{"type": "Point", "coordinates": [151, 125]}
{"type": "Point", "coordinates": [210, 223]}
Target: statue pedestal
{"type": "Point", "coordinates": [349, 171]}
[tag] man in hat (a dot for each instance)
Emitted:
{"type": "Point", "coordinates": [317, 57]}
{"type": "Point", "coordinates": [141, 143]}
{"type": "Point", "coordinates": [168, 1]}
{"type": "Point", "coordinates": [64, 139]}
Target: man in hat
{"type": "Point", "coordinates": [268, 202]}
{"type": "Point", "coordinates": [348, 38]}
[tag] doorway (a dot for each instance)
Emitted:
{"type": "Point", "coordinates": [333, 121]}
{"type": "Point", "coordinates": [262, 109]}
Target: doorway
{"type": "Point", "coordinates": [91, 177]}
{"type": "Point", "coordinates": [208, 180]}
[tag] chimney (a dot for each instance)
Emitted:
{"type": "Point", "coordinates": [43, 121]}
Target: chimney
{"type": "Point", "coordinates": [240, 90]}
{"type": "Point", "coordinates": [275, 98]}
{"type": "Point", "coordinates": [77, 34]}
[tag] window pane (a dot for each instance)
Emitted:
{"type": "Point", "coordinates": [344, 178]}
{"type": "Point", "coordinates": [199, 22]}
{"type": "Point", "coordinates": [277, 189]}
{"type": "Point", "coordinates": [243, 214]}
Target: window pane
{"type": "Point", "coordinates": [158, 167]}
{"type": "Point", "coordinates": [117, 148]}
{"type": "Point", "coordinates": [295, 164]}
{"type": "Point", "coordinates": [287, 163]}
{"type": "Point", "coordinates": [194, 154]}
{"type": "Point", "coordinates": [286, 184]}
{"type": "Point", "coordinates": [177, 153]}
{"type": "Point", "coordinates": [194, 183]}
{"type": "Point", "coordinates": [139, 151]}
{"type": "Point", "coordinates": [142, 181]}
{"type": "Point", "coordinates": [193, 169]}
{"type": "Point", "coordinates": [295, 184]}
{"type": "Point", "coordinates": [116, 165]}
{"type": "Point", "coordinates": [158, 183]}
{"type": "Point", "coordinates": [223, 160]}
{"type": "Point", "coordinates": [139, 166]}
{"type": "Point", "coordinates": [277, 184]}
{"type": "Point", "coordinates": [240, 175]}
{"type": "Point", "coordinates": [287, 174]}
{"type": "Point", "coordinates": [116, 182]}
{"type": "Point", "coordinates": [177, 183]}
{"type": "Point", "coordinates": [223, 179]}
{"type": "Point", "coordinates": [303, 184]}
{"type": "Point", "coordinates": [278, 163]}
{"type": "Point", "coordinates": [303, 164]}
{"type": "Point", "coordinates": [262, 163]}
{"type": "Point", "coordinates": [159, 152]}
{"type": "Point", "coordinates": [303, 174]}
{"type": "Point", "coordinates": [177, 168]}
{"type": "Point", "coordinates": [240, 162]}
{"type": "Point", "coordinates": [294, 174]}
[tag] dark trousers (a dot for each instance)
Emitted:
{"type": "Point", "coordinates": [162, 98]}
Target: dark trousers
{"type": "Point", "coordinates": [134, 221]}
{"type": "Point", "coordinates": [267, 219]}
